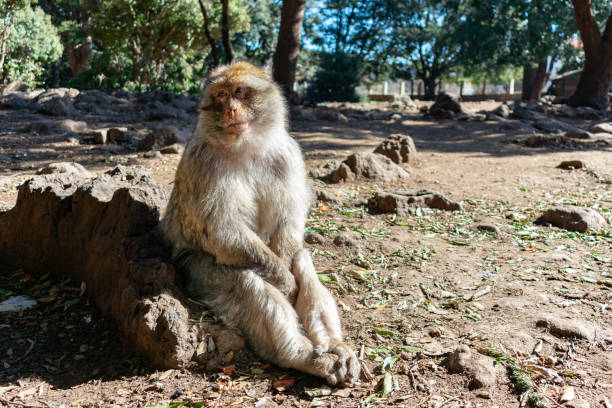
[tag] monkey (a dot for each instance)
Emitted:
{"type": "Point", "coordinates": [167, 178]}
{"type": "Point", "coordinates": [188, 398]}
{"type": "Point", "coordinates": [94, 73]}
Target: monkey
{"type": "Point", "coordinates": [235, 221]}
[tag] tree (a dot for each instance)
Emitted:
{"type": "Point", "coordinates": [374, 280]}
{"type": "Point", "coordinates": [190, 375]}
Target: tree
{"type": "Point", "coordinates": [73, 17]}
{"type": "Point", "coordinates": [596, 75]}
{"type": "Point", "coordinates": [288, 46]}
{"type": "Point", "coordinates": [225, 31]}
{"type": "Point", "coordinates": [33, 42]}
{"type": "Point", "coordinates": [8, 9]}
{"type": "Point", "coordinates": [209, 38]}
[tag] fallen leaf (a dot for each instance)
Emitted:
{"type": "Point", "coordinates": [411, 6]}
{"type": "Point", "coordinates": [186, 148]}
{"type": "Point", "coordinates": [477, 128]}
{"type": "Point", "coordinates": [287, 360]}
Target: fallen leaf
{"type": "Point", "coordinates": [282, 385]}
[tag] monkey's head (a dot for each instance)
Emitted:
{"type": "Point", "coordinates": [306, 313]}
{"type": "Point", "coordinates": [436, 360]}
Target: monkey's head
{"type": "Point", "coordinates": [240, 101]}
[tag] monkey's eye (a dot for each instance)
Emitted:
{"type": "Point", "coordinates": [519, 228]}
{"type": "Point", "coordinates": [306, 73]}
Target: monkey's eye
{"type": "Point", "coordinates": [221, 94]}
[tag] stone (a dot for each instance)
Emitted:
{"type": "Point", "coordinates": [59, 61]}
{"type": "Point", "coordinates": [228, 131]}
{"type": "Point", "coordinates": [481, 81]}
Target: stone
{"type": "Point", "coordinates": [160, 137]}
{"type": "Point", "coordinates": [14, 86]}
{"type": "Point", "coordinates": [64, 167]}
{"type": "Point", "coordinates": [118, 135]}
{"type": "Point", "coordinates": [479, 369]}
{"type": "Point", "coordinates": [348, 239]}
{"type": "Point", "coordinates": [399, 148]}
{"type": "Point", "coordinates": [57, 126]}
{"type": "Point", "coordinates": [503, 110]}
{"type": "Point", "coordinates": [562, 327]}
{"type": "Point", "coordinates": [330, 115]}
{"type": "Point", "coordinates": [526, 110]}
{"type": "Point", "coordinates": [172, 149]}
{"type": "Point", "coordinates": [573, 218]}
{"type": "Point", "coordinates": [152, 154]}
{"type": "Point", "coordinates": [314, 238]}
{"type": "Point", "coordinates": [158, 110]}
{"type": "Point", "coordinates": [568, 394]}
{"type": "Point", "coordinates": [488, 228]}
{"type": "Point", "coordinates": [445, 103]}
{"type": "Point", "coordinates": [579, 134]}
{"type": "Point", "coordinates": [550, 125]}
{"type": "Point", "coordinates": [57, 102]}
{"type": "Point", "coordinates": [101, 231]}
{"type": "Point", "coordinates": [370, 166]}
{"type": "Point", "coordinates": [400, 203]}
{"type": "Point", "coordinates": [605, 127]}
{"type": "Point", "coordinates": [327, 196]}
{"type": "Point", "coordinates": [100, 136]}
{"type": "Point", "coordinates": [571, 164]}
{"type": "Point", "coordinates": [542, 140]}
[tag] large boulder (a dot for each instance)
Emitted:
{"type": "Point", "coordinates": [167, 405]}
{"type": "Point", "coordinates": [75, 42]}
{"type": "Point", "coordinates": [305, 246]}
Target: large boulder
{"type": "Point", "coordinates": [399, 148]}
{"type": "Point", "coordinates": [372, 166]}
{"type": "Point", "coordinates": [574, 218]}
{"type": "Point", "coordinates": [99, 231]}
{"type": "Point", "coordinates": [401, 203]}
{"type": "Point", "coordinates": [550, 125]}
{"type": "Point", "coordinates": [57, 102]}
{"type": "Point", "coordinates": [445, 106]}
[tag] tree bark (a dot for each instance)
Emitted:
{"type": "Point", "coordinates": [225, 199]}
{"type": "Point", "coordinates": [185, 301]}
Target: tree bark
{"type": "Point", "coordinates": [529, 76]}
{"type": "Point", "coordinates": [285, 57]}
{"type": "Point", "coordinates": [541, 77]}
{"type": "Point", "coordinates": [430, 88]}
{"type": "Point", "coordinates": [225, 28]}
{"type": "Point", "coordinates": [596, 75]}
{"type": "Point", "coordinates": [78, 57]}
{"type": "Point", "coordinates": [211, 41]}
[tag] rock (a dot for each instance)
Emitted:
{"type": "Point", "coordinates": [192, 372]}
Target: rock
{"type": "Point", "coordinates": [118, 135]}
{"type": "Point", "coordinates": [605, 127]}
{"type": "Point", "coordinates": [585, 112]}
{"type": "Point", "coordinates": [14, 86]}
{"type": "Point", "coordinates": [172, 149]}
{"type": "Point", "coordinates": [152, 154]}
{"type": "Point", "coordinates": [57, 102]}
{"type": "Point", "coordinates": [327, 196]}
{"type": "Point", "coordinates": [399, 148]}
{"type": "Point", "coordinates": [571, 164]}
{"type": "Point", "coordinates": [322, 172]}
{"type": "Point", "coordinates": [526, 110]}
{"type": "Point", "coordinates": [158, 110]}
{"type": "Point", "coordinates": [160, 137]}
{"type": "Point", "coordinates": [488, 228]}
{"type": "Point", "coordinates": [479, 369]}
{"type": "Point", "coordinates": [542, 140]}
{"type": "Point", "coordinates": [57, 126]}
{"type": "Point", "coordinates": [579, 134]}
{"type": "Point", "coordinates": [331, 116]}
{"type": "Point", "coordinates": [445, 103]}
{"type": "Point", "coordinates": [395, 117]}
{"type": "Point", "coordinates": [314, 238]}
{"type": "Point", "coordinates": [99, 231]}
{"type": "Point", "coordinates": [568, 394]}
{"type": "Point", "coordinates": [503, 110]}
{"type": "Point", "coordinates": [573, 218]}
{"type": "Point", "coordinates": [64, 167]}
{"type": "Point", "coordinates": [100, 136]}
{"type": "Point", "coordinates": [370, 166]}
{"type": "Point", "coordinates": [572, 328]}
{"type": "Point", "coordinates": [550, 125]}
{"type": "Point", "coordinates": [348, 239]}
{"type": "Point", "coordinates": [577, 403]}
{"type": "Point", "coordinates": [400, 203]}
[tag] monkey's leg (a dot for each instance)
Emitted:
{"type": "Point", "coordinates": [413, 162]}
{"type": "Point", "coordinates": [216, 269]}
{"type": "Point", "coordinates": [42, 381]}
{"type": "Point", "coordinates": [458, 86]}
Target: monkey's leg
{"type": "Point", "coordinates": [318, 314]}
{"type": "Point", "coordinates": [243, 300]}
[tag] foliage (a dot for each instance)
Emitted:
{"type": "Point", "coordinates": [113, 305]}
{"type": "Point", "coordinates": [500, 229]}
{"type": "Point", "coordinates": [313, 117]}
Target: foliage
{"type": "Point", "coordinates": [257, 44]}
{"type": "Point", "coordinates": [33, 42]}
{"type": "Point", "coordinates": [337, 77]}
{"type": "Point", "coordinates": [154, 35]}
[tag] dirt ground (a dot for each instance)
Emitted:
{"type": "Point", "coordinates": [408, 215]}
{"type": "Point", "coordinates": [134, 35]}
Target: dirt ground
{"type": "Point", "coordinates": [406, 290]}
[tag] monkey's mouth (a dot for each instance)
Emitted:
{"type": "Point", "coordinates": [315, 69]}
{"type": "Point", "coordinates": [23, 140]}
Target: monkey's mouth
{"type": "Point", "coordinates": [238, 127]}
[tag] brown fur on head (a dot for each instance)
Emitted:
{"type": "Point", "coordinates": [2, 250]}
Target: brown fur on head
{"type": "Point", "coordinates": [240, 100]}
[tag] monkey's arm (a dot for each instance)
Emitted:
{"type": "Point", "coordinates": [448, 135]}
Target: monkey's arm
{"type": "Point", "coordinates": [237, 245]}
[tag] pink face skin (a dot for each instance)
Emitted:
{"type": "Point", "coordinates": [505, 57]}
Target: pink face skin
{"type": "Point", "coordinates": [231, 102]}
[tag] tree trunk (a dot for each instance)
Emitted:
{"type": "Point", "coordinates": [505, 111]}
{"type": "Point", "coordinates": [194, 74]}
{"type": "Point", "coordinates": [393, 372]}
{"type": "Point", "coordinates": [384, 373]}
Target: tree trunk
{"type": "Point", "coordinates": [484, 88]}
{"type": "Point", "coordinates": [596, 75]}
{"type": "Point", "coordinates": [78, 58]}
{"type": "Point", "coordinates": [541, 77]}
{"type": "Point", "coordinates": [288, 46]}
{"type": "Point", "coordinates": [529, 77]}
{"type": "Point", "coordinates": [430, 88]}
{"type": "Point", "coordinates": [225, 28]}
{"type": "Point", "coordinates": [211, 41]}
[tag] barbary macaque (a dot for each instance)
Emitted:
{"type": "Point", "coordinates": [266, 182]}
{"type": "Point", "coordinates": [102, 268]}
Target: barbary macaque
{"type": "Point", "coordinates": [235, 222]}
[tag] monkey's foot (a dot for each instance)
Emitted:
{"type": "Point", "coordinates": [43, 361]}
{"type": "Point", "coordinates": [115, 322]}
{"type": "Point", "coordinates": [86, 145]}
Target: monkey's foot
{"type": "Point", "coordinates": [339, 367]}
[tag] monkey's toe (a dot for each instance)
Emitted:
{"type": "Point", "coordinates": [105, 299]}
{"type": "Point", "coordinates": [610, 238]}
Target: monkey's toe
{"type": "Point", "coordinates": [349, 369]}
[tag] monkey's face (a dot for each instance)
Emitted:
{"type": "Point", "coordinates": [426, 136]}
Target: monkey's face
{"type": "Point", "coordinates": [240, 104]}
{"type": "Point", "coordinates": [232, 106]}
